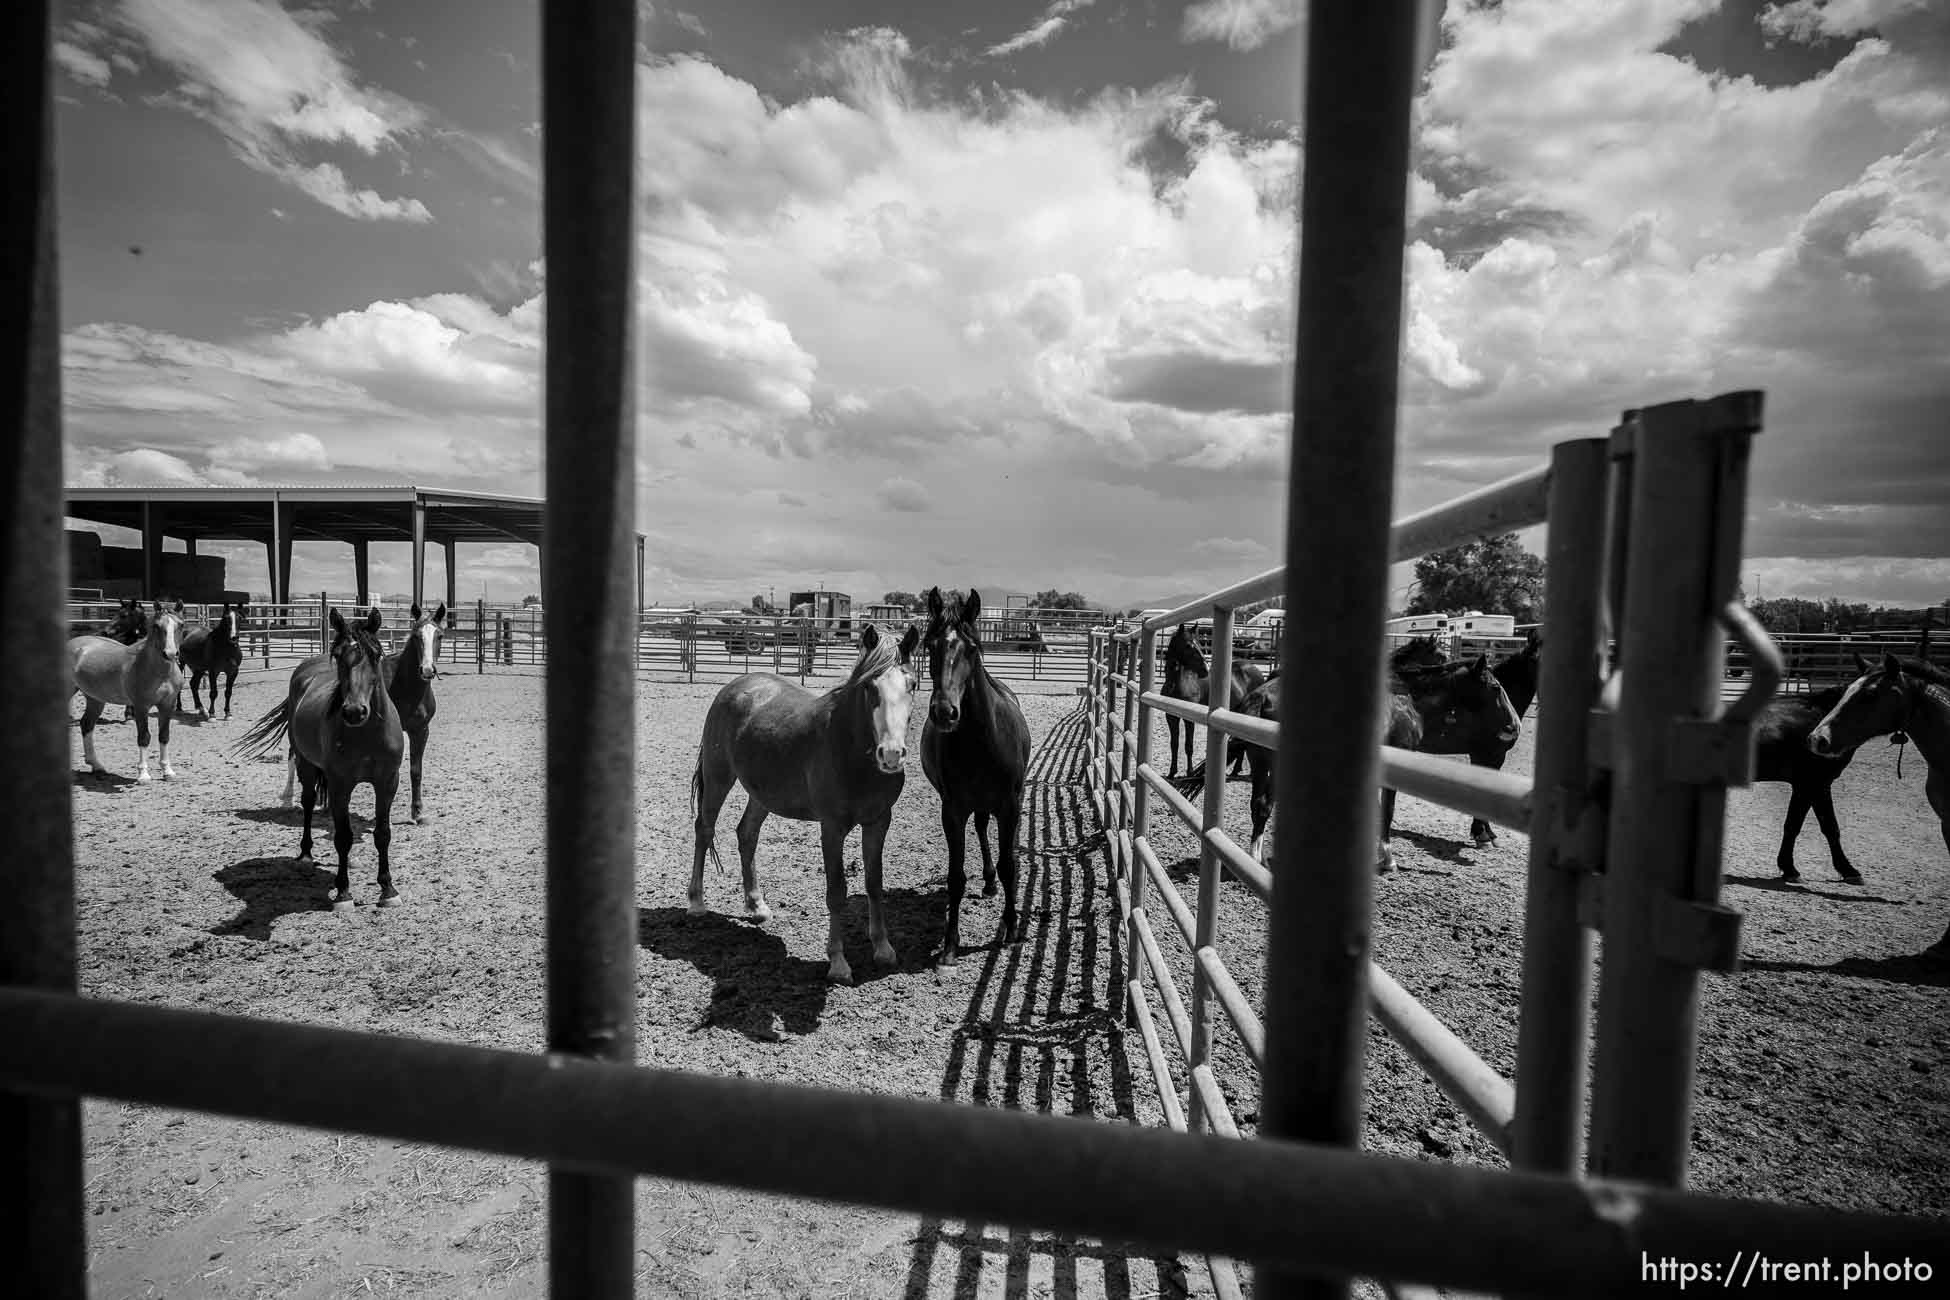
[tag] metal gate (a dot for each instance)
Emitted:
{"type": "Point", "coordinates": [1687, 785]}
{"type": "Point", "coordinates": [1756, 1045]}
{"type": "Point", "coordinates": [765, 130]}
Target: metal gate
{"type": "Point", "coordinates": [1300, 1202]}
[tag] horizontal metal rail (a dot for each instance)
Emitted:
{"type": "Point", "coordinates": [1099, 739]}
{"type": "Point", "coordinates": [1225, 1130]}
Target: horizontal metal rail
{"type": "Point", "coordinates": [1479, 791]}
{"type": "Point", "coordinates": [1293, 1204]}
{"type": "Point", "coordinates": [1484, 1095]}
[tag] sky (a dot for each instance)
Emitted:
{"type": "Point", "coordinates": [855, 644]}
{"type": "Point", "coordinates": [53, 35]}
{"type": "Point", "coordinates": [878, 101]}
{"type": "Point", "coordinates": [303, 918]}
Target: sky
{"type": "Point", "coordinates": [1003, 294]}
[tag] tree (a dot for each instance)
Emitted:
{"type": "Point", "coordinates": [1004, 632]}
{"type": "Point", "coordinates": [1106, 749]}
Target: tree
{"type": "Point", "coordinates": [1054, 599]}
{"type": "Point", "coordinates": [528, 600]}
{"type": "Point", "coordinates": [760, 605]}
{"type": "Point", "coordinates": [907, 600]}
{"type": "Point", "coordinates": [1494, 575]}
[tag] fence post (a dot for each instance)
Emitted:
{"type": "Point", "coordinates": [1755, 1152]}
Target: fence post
{"type": "Point", "coordinates": [1661, 918]}
{"type": "Point", "coordinates": [1126, 760]}
{"type": "Point", "coordinates": [324, 623]}
{"type": "Point", "coordinates": [480, 636]}
{"type": "Point", "coordinates": [1567, 824]}
{"type": "Point", "coordinates": [45, 1241]}
{"type": "Point", "coordinates": [1147, 642]}
{"type": "Point", "coordinates": [1218, 695]}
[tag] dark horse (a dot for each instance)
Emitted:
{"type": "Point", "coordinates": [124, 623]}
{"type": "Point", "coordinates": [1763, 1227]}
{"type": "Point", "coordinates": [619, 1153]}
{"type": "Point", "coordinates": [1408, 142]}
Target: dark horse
{"type": "Point", "coordinates": [343, 730]}
{"type": "Point", "coordinates": [1187, 678]}
{"type": "Point", "coordinates": [1907, 697]}
{"type": "Point", "coordinates": [1781, 753]}
{"type": "Point", "coordinates": [975, 753]}
{"type": "Point", "coordinates": [833, 758]}
{"type": "Point", "coordinates": [130, 625]}
{"type": "Point", "coordinates": [1485, 746]}
{"type": "Point", "coordinates": [213, 650]}
{"type": "Point", "coordinates": [1442, 710]}
{"type": "Point", "coordinates": [409, 672]}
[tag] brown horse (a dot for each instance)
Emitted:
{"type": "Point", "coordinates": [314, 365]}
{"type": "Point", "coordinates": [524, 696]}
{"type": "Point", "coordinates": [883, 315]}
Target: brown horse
{"type": "Point", "coordinates": [409, 672]}
{"type": "Point", "coordinates": [1486, 746]}
{"type": "Point", "coordinates": [975, 753]}
{"type": "Point", "coordinates": [834, 758]}
{"type": "Point", "coordinates": [1906, 697]}
{"type": "Point", "coordinates": [343, 731]}
{"type": "Point", "coordinates": [214, 650]}
{"type": "Point", "coordinates": [143, 676]}
{"type": "Point", "coordinates": [1187, 678]}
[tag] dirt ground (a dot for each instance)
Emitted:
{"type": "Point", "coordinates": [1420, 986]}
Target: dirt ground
{"type": "Point", "coordinates": [1825, 1064]}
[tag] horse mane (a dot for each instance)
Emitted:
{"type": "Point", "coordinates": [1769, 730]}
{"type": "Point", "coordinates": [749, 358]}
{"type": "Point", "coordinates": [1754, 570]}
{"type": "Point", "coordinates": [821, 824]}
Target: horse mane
{"type": "Point", "coordinates": [884, 655]}
{"type": "Point", "coordinates": [1924, 669]}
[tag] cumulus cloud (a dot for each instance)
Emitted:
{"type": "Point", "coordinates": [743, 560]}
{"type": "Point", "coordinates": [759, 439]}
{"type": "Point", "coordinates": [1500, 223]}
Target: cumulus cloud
{"type": "Point", "coordinates": [270, 81]}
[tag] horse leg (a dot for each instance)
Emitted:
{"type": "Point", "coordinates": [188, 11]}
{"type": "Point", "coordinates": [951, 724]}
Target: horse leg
{"type": "Point", "coordinates": [832, 849]}
{"type": "Point", "coordinates": [1481, 833]}
{"type": "Point", "coordinates": [196, 679]}
{"type": "Point", "coordinates": [1937, 790]}
{"type": "Point", "coordinates": [229, 685]}
{"type": "Point", "coordinates": [954, 828]}
{"type": "Point", "coordinates": [1825, 814]}
{"type": "Point", "coordinates": [1171, 728]}
{"type": "Point", "coordinates": [142, 742]}
{"type": "Point", "coordinates": [1384, 860]}
{"type": "Point", "coordinates": [873, 839]}
{"type": "Point", "coordinates": [307, 776]}
{"type": "Point", "coordinates": [338, 796]}
{"type": "Point", "coordinates": [291, 778]}
{"type": "Point", "coordinates": [748, 828]}
{"type": "Point", "coordinates": [714, 783]}
{"type": "Point", "coordinates": [1015, 928]}
{"type": "Point", "coordinates": [1800, 799]}
{"type": "Point", "coordinates": [1262, 802]}
{"type": "Point", "coordinates": [163, 715]}
{"type": "Point", "coordinates": [988, 859]}
{"type": "Point", "coordinates": [417, 750]}
{"type": "Point", "coordinates": [90, 711]}
{"type": "Point", "coordinates": [382, 836]}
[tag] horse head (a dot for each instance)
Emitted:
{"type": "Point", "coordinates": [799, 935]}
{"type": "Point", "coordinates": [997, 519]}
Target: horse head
{"type": "Point", "coordinates": [1464, 707]}
{"type": "Point", "coordinates": [356, 656]}
{"type": "Point", "coordinates": [423, 641]}
{"type": "Point", "coordinates": [954, 647]}
{"type": "Point", "coordinates": [1876, 703]}
{"type": "Point", "coordinates": [883, 671]}
{"type": "Point", "coordinates": [230, 623]}
{"type": "Point", "coordinates": [166, 627]}
{"type": "Point", "coordinates": [130, 624]}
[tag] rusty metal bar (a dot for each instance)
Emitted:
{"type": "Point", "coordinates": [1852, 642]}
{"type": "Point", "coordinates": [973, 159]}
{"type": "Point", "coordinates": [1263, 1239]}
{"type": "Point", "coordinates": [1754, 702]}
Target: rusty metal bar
{"type": "Point", "coordinates": [1516, 502]}
{"type": "Point", "coordinates": [1218, 692]}
{"type": "Point", "coordinates": [1484, 1095]}
{"type": "Point", "coordinates": [44, 1239]}
{"type": "Point", "coordinates": [1340, 485]}
{"type": "Point", "coordinates": [1567, 822]}
{"type": "Point", "coordinates": [1687, 503]}
{"type": "Point", "coordinates": [1290, 1204]}
{"type": "Point", "coordinates": [1493, 795]}
{"type": "Point", "coordinates": [589, 156]}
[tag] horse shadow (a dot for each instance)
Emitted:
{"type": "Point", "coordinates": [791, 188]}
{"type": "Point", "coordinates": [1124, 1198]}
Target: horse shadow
{"type": "Point", "coordinates": [85, 779]}
{"type": "Point", "coordinates": [1775, 884]}
{"type": "Point", "coordinates": [1918, 969]}
{"type": "Point", "coordinates": [269, 889]}
{"type": "Point", "coordinates": [1439, 847]}
{"type": "Point", "coordinates": [754, 978]}
{"type": "Point", "coordinates": [1043, 1031]}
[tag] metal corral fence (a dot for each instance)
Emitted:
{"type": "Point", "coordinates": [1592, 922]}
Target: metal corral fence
{"type": "Point", "coordinates": [1629, 789]}
{"type": "Point", "coordinates": [1310, 1213]}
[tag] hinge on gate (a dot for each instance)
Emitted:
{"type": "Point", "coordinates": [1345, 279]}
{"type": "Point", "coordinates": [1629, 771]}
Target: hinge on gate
{"type": "Point", "coordinates": [1710, 751]}
{"type": "Point", "coordinates": [1705, 936]}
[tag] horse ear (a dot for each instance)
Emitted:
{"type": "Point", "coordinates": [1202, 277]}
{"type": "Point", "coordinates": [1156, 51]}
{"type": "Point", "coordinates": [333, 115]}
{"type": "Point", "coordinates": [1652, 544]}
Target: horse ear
{"type": "Point", "coordinates": [934, 601]}
{"type": "Point", "coordinates": [971, 607]}
{"type": "Point", "coordinates": [869, 637]}
{"type": "Point", "coordinates": [1862, 668]}
{"type": "Point", "coordinates": [413, 610]}
{"type": "Point", "coordinates": [909, 639]}
{"type": "Point", "coordinates": [1890, 664]}
{"type": "Point", "coordinates": [441, 612]}
{"type": "Point", "coordinates": [338, 621]}
{"type": "Point", "coordinates": [374, 620]}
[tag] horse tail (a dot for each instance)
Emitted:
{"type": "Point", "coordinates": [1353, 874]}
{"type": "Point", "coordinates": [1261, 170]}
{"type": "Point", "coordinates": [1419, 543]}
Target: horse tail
{"type": "Point", "coordinates": [265, 733]}
{"type": "Point", "coordinates": [697, 797]}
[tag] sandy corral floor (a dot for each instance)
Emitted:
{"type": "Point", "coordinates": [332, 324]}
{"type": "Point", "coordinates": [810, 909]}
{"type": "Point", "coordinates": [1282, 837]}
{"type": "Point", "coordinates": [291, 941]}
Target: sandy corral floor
{"type": "Point", "coordinates": [1825, 1064]}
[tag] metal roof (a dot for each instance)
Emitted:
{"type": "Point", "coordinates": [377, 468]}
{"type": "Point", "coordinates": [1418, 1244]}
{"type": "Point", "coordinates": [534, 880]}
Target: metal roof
{"type": "Point", "coordinates": [340, 512]}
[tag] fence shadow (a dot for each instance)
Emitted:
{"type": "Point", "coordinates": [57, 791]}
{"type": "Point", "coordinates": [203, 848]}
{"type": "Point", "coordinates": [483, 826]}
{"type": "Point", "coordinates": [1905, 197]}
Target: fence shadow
{"type": "Point", "coordinates": [1044, 1031]}
{"type": "Point", "coordinates": [1918, 969]}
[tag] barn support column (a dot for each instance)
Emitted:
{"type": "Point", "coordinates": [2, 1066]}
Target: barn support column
{"type": "Point", "coordinates": [1361, 73]}
{"type": "Point", "coordinates": [362, 570]}
{"type": "Point", "coordinates": [43, 1240]}
{"type": "Point", "coordinates": [419, 550]}
{"type": "Point", "coordinates": [284, 518]}
{"type": "Point", "coordinates": [589, 475]}
{"type": "Point", "coordinates": [152, 540]}
{"type": "Point", "coordinates": [452, 549]}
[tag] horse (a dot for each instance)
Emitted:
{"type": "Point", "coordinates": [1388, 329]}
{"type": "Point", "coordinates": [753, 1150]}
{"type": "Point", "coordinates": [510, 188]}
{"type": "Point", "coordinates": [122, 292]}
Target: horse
{"type": "Point", "coordinates": [1906, 699]}
{"type": "Point", "coordinates": [143, 676]}
{"type": "Point", "coordinates": [975, 753]}
{"type": "Point", "coordinates": [129, 625]}
{"type": "Point", "coordinates": [834, 758]}
{"type": "Point", "coordinates": [1517, 675]}
{"type": "Point", "coordinates": [1781, 753]}
{"type": "Point", "coordinates": [342, 731]}
{"type": "Point", "coordinates": [1188, 678]}
{"type": "Point", "coordinates": [212, 650]}
{"type": "Point", "coordinates": [409, 672]}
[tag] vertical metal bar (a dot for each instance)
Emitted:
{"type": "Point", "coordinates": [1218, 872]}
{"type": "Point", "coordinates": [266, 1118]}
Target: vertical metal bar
{"type": "Point", "coordinates": [1218, 695]}
{"type": "Point", "coordinates": [1340, 487]}
{"type": "Point", "coordinates": [1567, 827]}
{"type": "Point", "coordinates": [480, 637]}
{"type": "Point", "coordinates": [324, 623]}
{"type": "Point", "coordinates": [45, 1238]}
{"type": "Point", "coordinates": [1687, 495]}
{"type": "Point", "coordinates": [589, 155]}
{"type": "Point", "coordinates": [1127, 763]}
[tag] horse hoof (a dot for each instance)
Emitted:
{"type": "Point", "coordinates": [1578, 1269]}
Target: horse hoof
{"type": "Point", "coordinates": [946, 959]}
{"type": "Point", "coordinates": [343, 905]}
{"type": "Point", "coordinates": [884, 955]}
{"type": "Point", "coordinates": [1850, 877]}
{"type": "Point", "coordinates": [1484, 841]}
{"type": "Point", "coordinates": [756, 911]}
{"type": "Point", "coordinates": [839, 973]}
{"type": "Point", "coordinates": [988, 889]}
{"type": "Point", "coordinates": [696, 907]}
{"type": "Point", "coordinates": [169, 774]}
{"type": "Point", "coordinates": [1384, 863]}
{"type": "Point", "coordinates": [144, 776]}
{"type": "Point", "coordinates": [392, 900]}
{"type": "Point", "coordinates": [1789, 873]}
